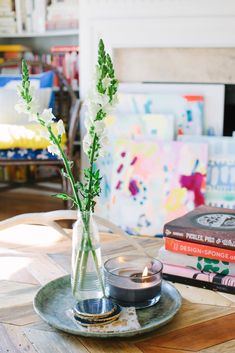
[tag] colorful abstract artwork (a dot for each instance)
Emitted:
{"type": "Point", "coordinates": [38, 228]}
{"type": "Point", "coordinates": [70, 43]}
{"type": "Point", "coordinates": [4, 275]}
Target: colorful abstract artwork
{"type": "Point", "coordinates": [187, 109]}
{"type": "Point", "coordinates": [155, 182]}
{"type": "Point", "coordinates": [130, 126]}
{"type": "Point", "coordinates": [214, 95]}
{"type": "Point", "coordinates": [220, 189]}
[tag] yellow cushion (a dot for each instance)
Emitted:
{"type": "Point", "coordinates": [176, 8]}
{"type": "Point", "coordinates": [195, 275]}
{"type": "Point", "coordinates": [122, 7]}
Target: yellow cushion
{"type": "Point", "coordinates": [25, 136]}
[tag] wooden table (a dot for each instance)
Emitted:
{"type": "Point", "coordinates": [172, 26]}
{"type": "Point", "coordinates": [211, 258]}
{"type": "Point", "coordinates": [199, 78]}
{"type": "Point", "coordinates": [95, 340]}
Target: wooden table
{"type": "Point", "coordinates": [31, 256]}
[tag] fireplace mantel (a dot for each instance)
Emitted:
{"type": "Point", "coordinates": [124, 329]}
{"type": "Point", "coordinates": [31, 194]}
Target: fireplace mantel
{"type": "Point", "coordinates": [152, 24]}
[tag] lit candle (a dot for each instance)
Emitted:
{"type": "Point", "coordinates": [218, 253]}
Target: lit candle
{"type": "Point", "coordinates": [130, 286]}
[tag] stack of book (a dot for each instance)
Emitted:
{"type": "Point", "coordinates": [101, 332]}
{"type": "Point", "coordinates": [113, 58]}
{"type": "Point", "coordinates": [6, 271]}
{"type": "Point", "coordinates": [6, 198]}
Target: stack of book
{"type": "Point", "coordinates": [66, 59]}
{"type": "Point", "coordinates": [7, 17]}
{"type": "Point", "coordinates": [11, 52]}
{"type": "Point", "coordinates": [200, 249]}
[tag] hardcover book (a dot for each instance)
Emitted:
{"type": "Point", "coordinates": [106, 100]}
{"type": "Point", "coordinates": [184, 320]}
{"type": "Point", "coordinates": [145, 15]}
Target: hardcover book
{"type": "Point", "coordinates": [210, 252]}
{"type": "Point", "coordinates": [205, 225]}
{"type": "Point", "coordinates": [196, 262]}
{"type": "Point", "coordinates": [198, 283]}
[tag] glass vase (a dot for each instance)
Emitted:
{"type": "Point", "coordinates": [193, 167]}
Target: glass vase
{"type": "Point", "coordinates": [87, 278]}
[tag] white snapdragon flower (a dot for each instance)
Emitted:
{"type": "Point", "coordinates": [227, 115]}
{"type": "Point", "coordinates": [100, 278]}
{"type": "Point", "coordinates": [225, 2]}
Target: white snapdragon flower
{"type": "Point", "coordinates": [106, 82]}
{"type": "Point", "coordinates": [101, 99]}
{"type": "Point", "coordinates": [88, 122]}
{"type": "Point", "coordinates": [99, 127]}
{"type": "Point", "coordinates": [47, 116]}
{"type": "Point", "coordinates": [44, 133]}
{"type": "Point", "coordinates": [33, 117]}
{"type": "Point", "coordinates": [92, 108]}
{"type": "Point", "coordinates": [87, 142]}
{"type": "Point", "coordinates": [22, 107]}
{"type": "Point", "coordinates": [104, 141]}
{"type": "Point", "coordinates": [54, 150]}
{"type": "Point", "coordinates": [27, 108]}
{"type": "Point", "coordinates": [60, 127]}
{"type": "Point", "coordinates": [97, 74]}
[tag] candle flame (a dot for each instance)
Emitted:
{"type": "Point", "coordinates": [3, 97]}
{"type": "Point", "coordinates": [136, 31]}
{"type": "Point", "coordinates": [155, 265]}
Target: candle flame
{"type": "Point", "coordinates": [145, 272]}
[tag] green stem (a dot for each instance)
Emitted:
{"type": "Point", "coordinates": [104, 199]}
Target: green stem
{"type": "Point", "coordinates": [88, 205]}
{"type": "Point", "coordinates": [82, 257]}
{"type": "Point", "coordinates": [67, 167]}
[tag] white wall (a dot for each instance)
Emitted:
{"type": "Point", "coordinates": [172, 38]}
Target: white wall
{"type": "Point", "coordinates": [152, 24]}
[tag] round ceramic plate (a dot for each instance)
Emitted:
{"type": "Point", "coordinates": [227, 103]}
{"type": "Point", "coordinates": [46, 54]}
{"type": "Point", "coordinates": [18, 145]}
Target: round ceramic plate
{"type": "Point", "coordinates": [54, 300]}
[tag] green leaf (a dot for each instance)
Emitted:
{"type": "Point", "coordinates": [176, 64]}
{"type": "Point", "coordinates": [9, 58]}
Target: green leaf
{"type": "Point", "coordinates": [62, 196]}
{"type": "Point", "coordinates": [199, 266]}
{"type": "Point", "coordinates": [225, 272]}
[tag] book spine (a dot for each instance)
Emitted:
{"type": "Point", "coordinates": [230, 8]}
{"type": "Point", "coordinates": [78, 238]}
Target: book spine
{"type": "Point", "coordinates": [64, 48]}
{"type": "Point", "coordinates": [200, 236]}
{"type": "Point", "coordinates": [196, 262]}
{"type": "Point", "coordinates": [205, 276]}
{"type": "Point", "coordinates": [197, 283]}
{"type": "Point", "coordinates": [194, 249]}
{"type": "Point", "coordinates": [19, 23]}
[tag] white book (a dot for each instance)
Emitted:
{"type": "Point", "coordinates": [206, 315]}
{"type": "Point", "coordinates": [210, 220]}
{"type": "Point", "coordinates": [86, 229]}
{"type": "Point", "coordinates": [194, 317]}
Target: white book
{"type": "Point", "coordinates": [28, 15]}
{"type": "Point", "coordinates": [39, 16]}
{"type": "Point", "coordinates": [19, 22]}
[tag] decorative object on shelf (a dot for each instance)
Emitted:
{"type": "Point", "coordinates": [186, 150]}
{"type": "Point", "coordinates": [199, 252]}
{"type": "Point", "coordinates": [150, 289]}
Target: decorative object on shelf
{"type": "Point", "coordinates": [134, 281]}
{"type": "Point", "coordinates": [101, 100]}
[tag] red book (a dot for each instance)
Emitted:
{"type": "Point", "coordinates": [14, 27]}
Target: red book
{"type": "Point", "coordinates": [211, 226]}
{"type": "Point", "coordinates": [64, 48]}
{"type": "Point", "coordinates": [194, 249]}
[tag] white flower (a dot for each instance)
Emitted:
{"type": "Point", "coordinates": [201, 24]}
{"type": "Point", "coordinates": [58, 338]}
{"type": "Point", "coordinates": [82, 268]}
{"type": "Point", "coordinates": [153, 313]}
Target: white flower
{"type": "Point", "coordinates": [92, 108]}
{"type": "Point", "coordinates": [97, 75]}
{"type": "Point", "coordinates": [101, 99]}
{"type": "Point", "coordinates": [103, 140]}
{"type": "Point", "coordinates": [44, 133]}
{"type": "Point", "coordinates": [47, 116]}
{"type": "Point", "coordinates": [88, 122]}
{"type": "Point", "coordinates": [106, 82]}
{"type": "Point", "coordinates": [21, 107]}
{"type": "Point", "coordinates": [27, 108]}
{"type": "Point", "coordinates": [19, 89]}
{"type": "Point", "coordinates": [60, 127]}
{"type": "Point", "coordinates": [87, 142]}
{"type": "Point", "coordinates": [33, 117]}
{"type": "Point", "coordinates": [99, 127]}
{"type": "Point", "coordinates": [54, 150]}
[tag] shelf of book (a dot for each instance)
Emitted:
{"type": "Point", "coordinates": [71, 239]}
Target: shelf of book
{"type": "Point", "coordinates": [56, 33]}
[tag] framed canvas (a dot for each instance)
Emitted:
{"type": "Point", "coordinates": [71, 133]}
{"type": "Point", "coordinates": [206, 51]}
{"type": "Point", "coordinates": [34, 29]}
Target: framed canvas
{"type": "Point", "coordinates": [214, 95]}
{"type": "Point", "coordinates": [220, 189]}
{"type": "Point", "coordinates": [130, 126]}
{"type": "Point", "coordinates": [154, 182]}
{"type": "Point", "coordinates": [186, 109]}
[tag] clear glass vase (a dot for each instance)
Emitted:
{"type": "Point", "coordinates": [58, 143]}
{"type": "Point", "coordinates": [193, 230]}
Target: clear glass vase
{"type": "Point", "coordinates": [87, 278]}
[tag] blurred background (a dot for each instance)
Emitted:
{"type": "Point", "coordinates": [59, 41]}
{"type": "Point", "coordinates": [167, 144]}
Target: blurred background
{"type": "Point", "coordinates": [175, 118]}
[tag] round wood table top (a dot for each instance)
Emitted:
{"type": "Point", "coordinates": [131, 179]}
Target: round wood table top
{"type": "Point", "coordinates": [31, 256]}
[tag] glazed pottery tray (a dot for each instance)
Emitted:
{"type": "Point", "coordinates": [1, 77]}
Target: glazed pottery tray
{"type": "Point", "coordinates": [53, 301]}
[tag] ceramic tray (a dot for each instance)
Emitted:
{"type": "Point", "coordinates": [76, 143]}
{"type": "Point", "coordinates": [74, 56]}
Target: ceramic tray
{"type": "Point", "coordinates": [54, 299]}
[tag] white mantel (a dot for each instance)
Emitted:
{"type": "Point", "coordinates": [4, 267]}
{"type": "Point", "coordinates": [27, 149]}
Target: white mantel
{"type": "Point", "coordinates": [152, 24]}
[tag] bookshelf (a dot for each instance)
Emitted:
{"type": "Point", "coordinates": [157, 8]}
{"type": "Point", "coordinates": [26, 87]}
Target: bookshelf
{"type": "Point", "coordinates": [39, 24]}
{"type": "Point", "coordinates": [39, 32]}
{"type": "Point", "coordinates": [52, 33]}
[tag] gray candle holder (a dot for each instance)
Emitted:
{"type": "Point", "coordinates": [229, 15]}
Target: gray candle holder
{"type": "Point", "coordinates": [133, 280]}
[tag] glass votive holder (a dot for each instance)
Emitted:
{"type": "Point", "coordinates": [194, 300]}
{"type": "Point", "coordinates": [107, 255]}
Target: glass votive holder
{"type": "Point", "coordinates": [133, 280]}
